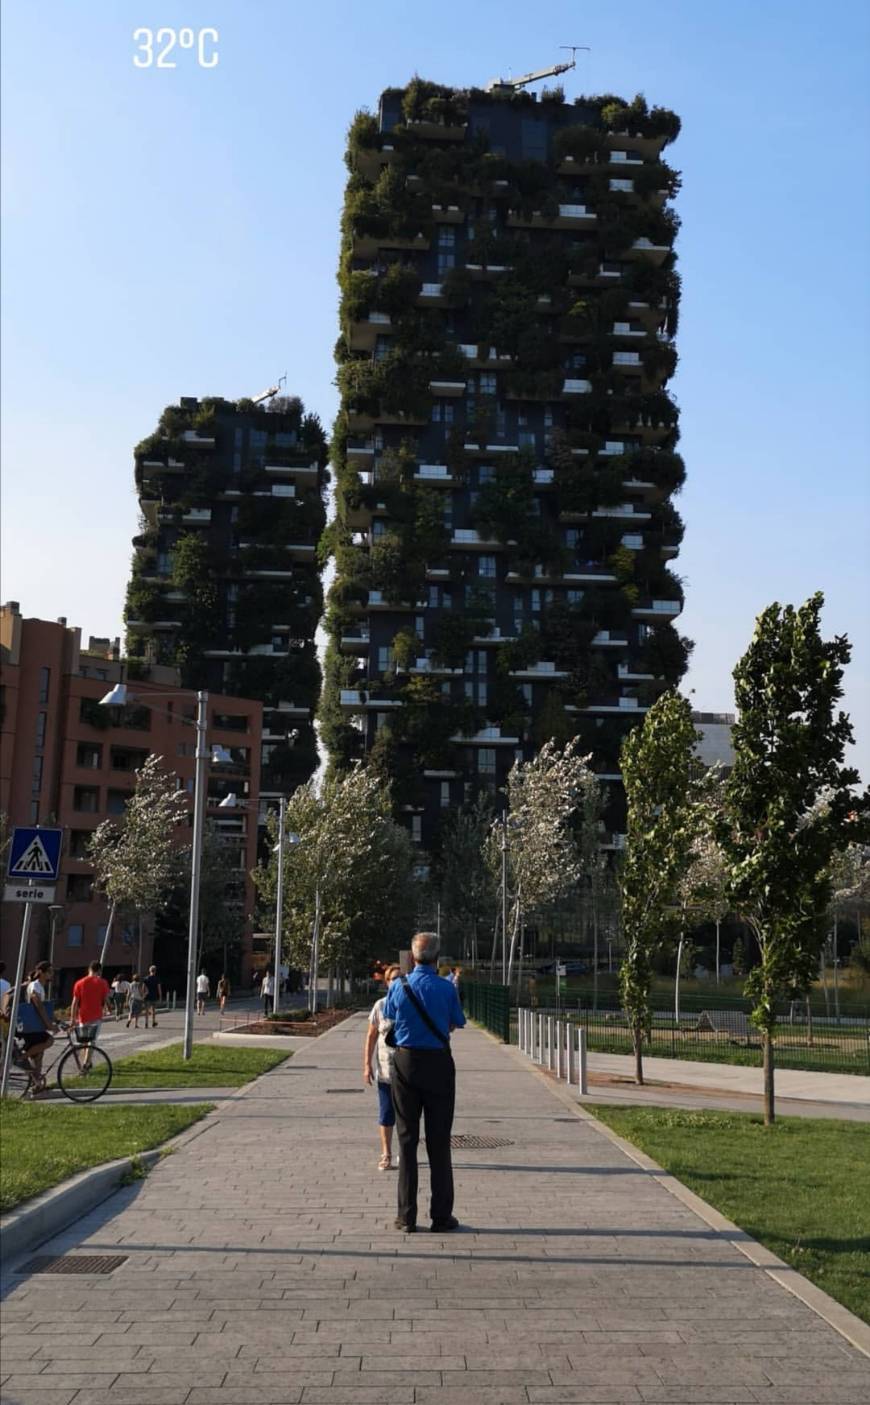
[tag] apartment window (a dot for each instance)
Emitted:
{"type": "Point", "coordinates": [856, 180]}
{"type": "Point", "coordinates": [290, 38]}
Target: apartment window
{"type": "Point", "coordinates": [446, 261]}
{"type": "Point", "coordinates": [79, 841]}
{"type": "Point", "coordinates": [468, 685]}
{"type": "Point", "coordinates": [433, 597]}
{"type": "Point", "coordinates": [486, 566]}
{"type": "Point", "coordinates": [485, 474]}
{"type": "Point", "coordinates": [574, 597]}
{"type": "Point", "coordinates": [41, 720]}
{"type": "Point", "coordinates": [379, 529]}
{"type": "Point", "coordinates": [482, 694]}
{"type": "Point", "coordinates": [79, 888]}
{"type": "Point", "coordinates": [419, 626]}
{"type": "Point", "coordinates": [527, 439]}
{"type": "Point", "coordinates": [526, 690]}
{"type": "Point", "coordinates": [385, 658]}
{"type": "Point", "coordinates": [445, 795]}
{"type": "Point", "coordinates": [572, 537]}
{"type": "Point", "coordinates": [36, 776]}
{"type": "Point", "coordinates": [446, 236]}
{"type": "Point", "coordinates": [89, 755]}
{"type": "Point", "coordinates": [75, 934]}
{"type": "Point", "coordinates": [34, 812]}
{"type": "Point", "coordinates": [486, 761]}
{"type": "Point", "coordinates": [123, 759]}
{"type": "Point", "coordinates": [487, 383]}
{"type": "Point", "coordinates": [442, 411]}
{"type": "Point", "coordinates": [382, 348]}
{"type": "Point", "coordinates": [417, 829]}
{"type": "Point", "coordinates": [116, 801]}
{"type": "Point", "coordinates": [534, 139]}
{"type": "Point", "coordinates": [164, 563]}
{"type": "Point", "coordinates": [44, 684]}
{"type": "Point", "coordinates": [576, 361]}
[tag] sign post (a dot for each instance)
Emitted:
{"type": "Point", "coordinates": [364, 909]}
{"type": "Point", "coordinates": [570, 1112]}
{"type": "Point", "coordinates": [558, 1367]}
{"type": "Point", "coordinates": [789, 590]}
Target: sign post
{"type": "Point", "coordinates": [34, 863]}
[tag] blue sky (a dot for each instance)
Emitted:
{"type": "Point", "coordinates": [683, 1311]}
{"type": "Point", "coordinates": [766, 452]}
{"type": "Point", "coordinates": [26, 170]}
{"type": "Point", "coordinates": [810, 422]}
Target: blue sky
{"type": "Point", "coordinates": [176, 233]}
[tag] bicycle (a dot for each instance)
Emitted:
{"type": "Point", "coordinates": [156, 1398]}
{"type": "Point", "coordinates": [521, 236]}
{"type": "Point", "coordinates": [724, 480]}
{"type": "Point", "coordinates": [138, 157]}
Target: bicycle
{"type": "Point", "coordinates": [84, 1070]}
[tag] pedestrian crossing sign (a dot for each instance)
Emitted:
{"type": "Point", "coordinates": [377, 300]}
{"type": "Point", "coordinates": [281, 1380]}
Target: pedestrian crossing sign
{"type": "Point", "coordinates": [34, 853]}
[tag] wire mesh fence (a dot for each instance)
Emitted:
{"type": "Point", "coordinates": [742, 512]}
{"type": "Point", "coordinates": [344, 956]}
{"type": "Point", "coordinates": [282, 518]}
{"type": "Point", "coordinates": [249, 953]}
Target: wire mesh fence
{"type": "Point", "coordinates": [489, 1005]}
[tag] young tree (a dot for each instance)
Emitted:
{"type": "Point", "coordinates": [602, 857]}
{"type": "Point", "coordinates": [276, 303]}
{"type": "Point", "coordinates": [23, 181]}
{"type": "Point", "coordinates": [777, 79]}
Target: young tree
{"type": "Point", "coordinates": [136, 862]}
{"type": "Point", "coordinates": [545, 796]}
{"type": "Point", "coordinates": [466, 886]}
{"type": "Point", "coordinates": [790, 804]}
{"type": "Point", "coordinates": [664, 790]}
{"type": "Point", "coordinates": [347, 883]}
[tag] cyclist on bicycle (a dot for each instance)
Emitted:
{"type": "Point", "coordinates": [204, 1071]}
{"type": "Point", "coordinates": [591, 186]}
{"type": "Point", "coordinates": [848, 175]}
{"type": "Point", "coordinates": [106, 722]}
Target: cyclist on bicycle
{"type": "Point", "coordinates": [91, 995]}
{"type": "Point", "coordinates": [36, 1044]}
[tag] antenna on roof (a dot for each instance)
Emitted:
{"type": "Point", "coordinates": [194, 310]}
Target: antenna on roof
{"type": "Point", "coordinates": [511, 84]}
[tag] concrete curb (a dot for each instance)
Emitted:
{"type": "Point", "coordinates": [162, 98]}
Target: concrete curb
{"type": "Point", "coordinates": [856, 1332]}
{"type": "Point", "coordinates": [46, 1215]}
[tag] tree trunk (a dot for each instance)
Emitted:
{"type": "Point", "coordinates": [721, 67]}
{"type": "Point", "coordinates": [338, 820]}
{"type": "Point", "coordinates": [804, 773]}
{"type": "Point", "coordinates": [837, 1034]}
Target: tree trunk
{"type": "Point", "coordinates": [769, 1113]}
{"type": "Point", "coordinates": [108, 937]}
{"type": "Point", "coordinates": [638, 1054]}
{"type": "Point", "coordinates": [513, 945]}
{"type": "Point", "coordinates": [677, 983]}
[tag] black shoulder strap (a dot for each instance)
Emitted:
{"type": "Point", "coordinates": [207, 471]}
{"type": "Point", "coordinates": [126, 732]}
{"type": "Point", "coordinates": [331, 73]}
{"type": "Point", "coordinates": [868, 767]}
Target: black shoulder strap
{"type": "Point", "coordinates": [423, 1013]}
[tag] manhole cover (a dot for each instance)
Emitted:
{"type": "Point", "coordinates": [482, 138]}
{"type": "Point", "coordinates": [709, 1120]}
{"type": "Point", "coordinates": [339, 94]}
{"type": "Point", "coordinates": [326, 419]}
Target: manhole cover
{"type": "Point", "coordinates": [465, 1142]}
{"type": "Point", "coordinates": [345, 1090]}
{"type": "Point", "coordinates": [74, 1263]}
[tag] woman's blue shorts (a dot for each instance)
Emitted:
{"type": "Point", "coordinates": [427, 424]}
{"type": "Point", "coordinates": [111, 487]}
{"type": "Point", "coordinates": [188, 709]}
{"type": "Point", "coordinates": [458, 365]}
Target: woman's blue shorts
{"type": "Point", "coordinates": [386, 1111]}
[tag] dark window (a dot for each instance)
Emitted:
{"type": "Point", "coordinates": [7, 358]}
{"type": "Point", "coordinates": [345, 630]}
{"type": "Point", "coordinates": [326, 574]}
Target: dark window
{"type": "Point", "coordinates": [41, 719]}
{"type": "Point", "coordinates": [534, 139]}
{"type": "Point", "coordinates": [123, 759]}
{"type": "Point", "coordinates": [36, 776]}
{"type": "Point", "coordinates": [75, 934]}
{"type": "Point", "coordinates": [89, 754]}
{"type": "Point", "coordinates": [79, 887]}
{"type": "Point", "coordinates": [44, 684]}
{"type": "Point", "coordinates": [116, 801]}
{"type": "Point", "coordinates": [86, 799]}
{"type": "Point", "coordinates": [34, 812]}
{"type": "Point", "coordinates": [79, 841]}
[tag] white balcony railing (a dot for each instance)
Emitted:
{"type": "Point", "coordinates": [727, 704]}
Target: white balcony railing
{"type": "Point", "coordinates": [575, 212]}
{"type": "Point", "coordinates": [576, 387]}
{"type": "Point", "coordinates": [626, 358]}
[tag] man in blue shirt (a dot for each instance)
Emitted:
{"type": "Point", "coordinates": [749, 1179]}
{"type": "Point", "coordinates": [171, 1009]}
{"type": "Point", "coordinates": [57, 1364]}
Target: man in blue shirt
{"type": "Point", "coordinates": [424, 1009]}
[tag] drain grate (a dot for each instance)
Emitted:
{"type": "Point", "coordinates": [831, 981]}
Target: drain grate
{"type": "Point", "coordinates": [466, 1142]}
{"type": "Point", "coordinates": [74, 1263]}
{"type": "Point", "coordinates": [345, 1090]}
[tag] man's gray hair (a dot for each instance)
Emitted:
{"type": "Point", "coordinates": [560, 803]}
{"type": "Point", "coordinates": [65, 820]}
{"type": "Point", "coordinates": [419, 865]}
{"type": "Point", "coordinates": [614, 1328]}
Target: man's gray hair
{"type": "Point", "coordinates": [425, 947]}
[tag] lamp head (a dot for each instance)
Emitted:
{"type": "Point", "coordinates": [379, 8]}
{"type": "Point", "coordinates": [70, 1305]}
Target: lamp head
{"type": "Point", "coordinates": [116, 697]}
{"type": "Point", "coordinates": [229, 802]}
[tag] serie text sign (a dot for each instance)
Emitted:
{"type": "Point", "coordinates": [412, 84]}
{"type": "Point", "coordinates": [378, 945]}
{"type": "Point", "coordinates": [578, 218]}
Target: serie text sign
{"type": "Point", "coordinates": [28, 893]}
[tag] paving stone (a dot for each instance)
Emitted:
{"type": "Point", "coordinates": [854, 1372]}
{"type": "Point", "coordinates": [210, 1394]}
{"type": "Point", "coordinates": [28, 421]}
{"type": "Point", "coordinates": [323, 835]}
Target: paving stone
{"type": "Point", "coordinates": [577, 1278]}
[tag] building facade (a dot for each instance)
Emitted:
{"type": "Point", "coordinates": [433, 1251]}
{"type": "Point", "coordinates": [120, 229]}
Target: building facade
{"type": "Point", "coordinates": [225, 584]}
{"type": "Point", "coordinates": [67, 761]}
{"type": "Point", "coordinates": [505, 453]}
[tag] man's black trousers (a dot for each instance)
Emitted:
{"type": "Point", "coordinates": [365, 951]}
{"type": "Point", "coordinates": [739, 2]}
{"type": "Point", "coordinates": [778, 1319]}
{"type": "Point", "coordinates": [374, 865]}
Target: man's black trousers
{"type": "Point", "coordinates": [424, 1081]}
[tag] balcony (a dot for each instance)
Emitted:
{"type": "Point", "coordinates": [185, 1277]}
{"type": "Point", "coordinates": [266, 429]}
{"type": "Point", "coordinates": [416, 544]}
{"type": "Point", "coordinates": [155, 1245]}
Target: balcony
{"type": "Point", "coordinates": [430, 292]}
{"type": "Point", "coordinates": [447, 214]}
{"type": "Point", "coordinates": [632, 541]}
{"type": "Point", "coordinates": [540, 672]}
{"type": "Point", "coordinates": [628, 329]}
{"type": "Point", "coordinates": [147, 626]}
{"type": "Point", "coordinates": [298, 470]}
{"type": "Point", "coordinates": [624, 671]}
{"type": "Point", "coordinates": [646, 249]}
{"type": "Point", "coordinates": [658, 609]}
{"type": "Point", "coordinates": [365, 246]}
{"type": "Point", "coordinates": [356, 642]}
{"type": "Point", "coordinates": [626, 187]}
{"type": "Point", "coordinates": [434, 473]}
{"type": "Point", "coordinates": [447, 387]}
{"type": "Point", "coordinates": [361, 450]}
{"type": "Point", "coordinates": [543, 477]}
{"type": "Point", "coordinates": [467, 536]}
{"type": "Point", "coordinates": [430, 666]}
{"type": "Point", "coordinates": [201, 441]}
{"type": "Point", "coordinates": [487, 736]}
{"type": "Point", "coordinates": [576, 387]}
{"type": "Point", "coordinates": [627, 360]}
{"type": "Point", "coordinates": [621, 511]}
{"type": "Point", "coordinates": [365, 332]}
{"type": "Point", "coordinates": [624, 158]}
{"type": "Point", "coordinates": [605, 640]}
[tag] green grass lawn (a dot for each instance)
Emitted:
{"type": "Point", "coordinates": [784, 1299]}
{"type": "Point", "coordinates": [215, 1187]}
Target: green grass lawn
{"type": "Point", "coordinates": [212, 1066]}
{"type": "Point", "coordinates": [802, 1187]}
{"type": "Point", "coordinates": [44, 1144]}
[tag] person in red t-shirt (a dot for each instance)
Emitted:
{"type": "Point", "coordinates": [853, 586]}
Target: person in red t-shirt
{"type": "Point", "coordinates": [90, 997]}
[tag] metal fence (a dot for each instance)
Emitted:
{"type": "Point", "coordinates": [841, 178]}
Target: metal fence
{"type": "Point", "coordinates": [490, 1005]}
{"type": "Point", "coordinates": [710, 1033]}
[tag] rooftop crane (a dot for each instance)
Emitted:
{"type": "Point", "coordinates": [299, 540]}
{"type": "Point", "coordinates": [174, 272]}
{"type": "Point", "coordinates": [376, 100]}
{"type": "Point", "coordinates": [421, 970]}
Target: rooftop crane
{"type": "Point", "coordinates": [504, 83]}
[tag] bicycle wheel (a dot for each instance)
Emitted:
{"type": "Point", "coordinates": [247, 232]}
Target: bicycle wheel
{"type": "Point", "coordinates": [82, 1085]}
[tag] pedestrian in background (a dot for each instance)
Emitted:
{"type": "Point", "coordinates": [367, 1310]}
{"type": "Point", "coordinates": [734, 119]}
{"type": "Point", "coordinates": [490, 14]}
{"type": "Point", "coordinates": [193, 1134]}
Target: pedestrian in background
{"type": "Point", "coordinates": [378, 1065]}
{"type": "Point", "coordinates": [267, 990]}
{"type": "Point", "coordinates": [424, 1009]}
{"type": "Point", "coordinates": [153, 993]}
{"type": "Point", "coordinates": [223, 992]}
{"type": "Point", "coordinates": [203, 991]}
{"type": "Point", "coordinates": [135, 1000]}
{"type": "Point", "coordinates": [90, 999]}
{"type": "Point", "coordinates": [120, 994]}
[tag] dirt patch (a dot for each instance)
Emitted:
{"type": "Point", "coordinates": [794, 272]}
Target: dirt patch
{"type": "Point", "coordinates": [308, 1027]}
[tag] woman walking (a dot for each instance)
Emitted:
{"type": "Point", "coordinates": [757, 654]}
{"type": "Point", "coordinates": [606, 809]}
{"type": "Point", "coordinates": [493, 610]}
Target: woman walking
{"type": "Point", "coordinates": [378, 1066]}
{"type": "Point", "coordinates": [136, 1000]}
{"type": "Point", "coordinates": [223, 992]}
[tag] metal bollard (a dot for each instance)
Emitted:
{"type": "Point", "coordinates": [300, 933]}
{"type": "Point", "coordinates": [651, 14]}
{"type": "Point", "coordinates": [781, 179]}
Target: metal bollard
{"type": "Point", "coordinates": [582, 1071]}
{"type": "Point", "coordinates": [550, 1042]}
{"type": "Point", "coordinates": [570, 1060]}
{"type": "Point", "coordinates": [522, 1031]}
{"type": "Point", "coordinates": [558, 1050]}
{"type": "Point", "coordinates": [539, 1039]}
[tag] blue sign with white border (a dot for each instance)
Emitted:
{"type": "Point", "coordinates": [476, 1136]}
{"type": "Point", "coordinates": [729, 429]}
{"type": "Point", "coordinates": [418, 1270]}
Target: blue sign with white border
{"type": "Point", "coordinates": [35, 853]}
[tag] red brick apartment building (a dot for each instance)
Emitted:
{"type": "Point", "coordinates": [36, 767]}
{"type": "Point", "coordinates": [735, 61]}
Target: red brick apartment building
{"type": "Point", "coordinates": [65, 760]}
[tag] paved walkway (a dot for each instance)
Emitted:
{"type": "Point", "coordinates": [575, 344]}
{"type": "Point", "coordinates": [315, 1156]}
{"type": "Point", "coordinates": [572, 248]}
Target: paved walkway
{"type": "Point", "coordinates": [852, 1089]}
{"type": "Point", "coordinates": [262, 1267]}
